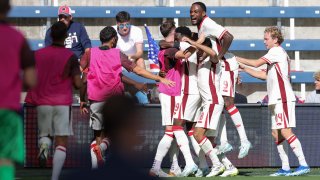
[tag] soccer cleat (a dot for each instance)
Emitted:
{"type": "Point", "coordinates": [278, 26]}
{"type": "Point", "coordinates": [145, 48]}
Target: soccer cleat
{"type": "Point", "coordinates": [43, 155]}
{"type": "Point", "coordinates": [97, 151]}
{"type": "Point", "coordinates": [281, 172]}
{"type": "Point", "coordinates": [301, 170]}
{"type": "Point", "coordinates": [175, 172]}
{"type": "Point", "coordinates": [202, 172]}
{"type": "Point", "coordinates": [224, 148]}
{"type": "Point", "coordinates": [189, 170]}
{"type": "Point", "coordinates": [216, 170]}
{"type": "Point", "coordinates": [158, 173]}
{"type": "Point", "coordinates": [230, 171]}
{"type": "Point", "coordinates": [244, 149]}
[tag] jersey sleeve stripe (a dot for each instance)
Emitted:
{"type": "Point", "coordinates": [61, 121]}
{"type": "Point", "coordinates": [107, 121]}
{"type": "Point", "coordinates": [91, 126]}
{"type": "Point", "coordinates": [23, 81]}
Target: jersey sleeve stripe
{"type": "Point", "coordinates": [267, 60]}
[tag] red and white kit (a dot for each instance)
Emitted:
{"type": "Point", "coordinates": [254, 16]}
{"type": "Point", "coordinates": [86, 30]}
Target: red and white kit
{"type": "Point", "coordinates": [188, 104]}
{"type": "Point", "coordinates": [281, 96]}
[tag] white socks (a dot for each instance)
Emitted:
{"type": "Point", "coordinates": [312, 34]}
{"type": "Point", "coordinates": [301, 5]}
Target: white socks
{"type": "Point", "coordinates": [297, 149]}
{"type": "Point", "coordinates": [237, 121]}
{"type": "Point", "coordinates": [208, 149]}
{"type": "Point", "coordinates": [162, 149]}
{"type": "Point", "coordinates": [58, 161]}
{"type": "Point", "coordinates": [183, 143]}
{"type": "Point", "coordinates": [283, 156]}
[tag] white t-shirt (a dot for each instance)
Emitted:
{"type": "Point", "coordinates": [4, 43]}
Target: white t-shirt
{"type": "Point", "coordinates": [313, 97]}
{"type": "Point", "coordinates": [212, 30]}
{"type": "Point", "coordinates": [127, 43]}
{"type": "Point", "coordinates": [190, 70]}
{"type": "Point", "coordinates": [278, 78]}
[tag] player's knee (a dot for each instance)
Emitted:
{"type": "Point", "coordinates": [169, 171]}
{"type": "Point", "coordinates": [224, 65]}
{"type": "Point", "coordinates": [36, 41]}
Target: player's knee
{"type": "Point", "coordinates": [198, 136]}
{"type": "Point", "coordinates": [286, 133]}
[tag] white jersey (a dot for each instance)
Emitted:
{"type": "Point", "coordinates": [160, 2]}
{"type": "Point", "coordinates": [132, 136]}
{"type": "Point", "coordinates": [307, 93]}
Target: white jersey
{"type": "Point", "coordinates": [209, 82]}
{"type": "Point", "coordinates": [278, 78]}
{"type": "Point", "coordinates": [212, 30]}
{"type": "Point", "coordinates": [127, 43]}
{"type": "Point", "coordinates": [189, 72]}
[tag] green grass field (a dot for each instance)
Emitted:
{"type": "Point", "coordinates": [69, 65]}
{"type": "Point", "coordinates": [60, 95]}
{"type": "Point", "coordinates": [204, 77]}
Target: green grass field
{"type": "Point", "coordinates": [255, 173]}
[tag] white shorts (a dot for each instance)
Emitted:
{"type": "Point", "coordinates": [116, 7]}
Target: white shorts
{"type": "Point", "coordinates": [210, 116]}
{"type": "Point", "coordinates": [96, 115]}
{"type": "Point", "coordinates": [188, 107]}
{"type": "Point", "coordinates": [228, 83]}
{"type": "Point", "coordinates": [283, 115]}
{"type": "Point", "coordinates": [167, 108]}
{"type": "Point", "coordinates": [54, 120]}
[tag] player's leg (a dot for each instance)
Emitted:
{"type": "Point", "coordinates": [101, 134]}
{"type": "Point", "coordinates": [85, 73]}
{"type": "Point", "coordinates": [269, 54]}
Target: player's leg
{"type": "Point", "coordinates": [224, 146]}
{"type": "Point", "coordinates": [100, 144]}
{"type": "Point", "coordinates": [279, 139]}
{"type": "Point", "coordinates": [59, 156]}
{"type": "Point", "coordinates": [209, 119]}
{"type": "Point", "coordinates": [203, 168]}
{"type": "Point", "coordinates": [230, 170]}
{"type": "Point", "coordinates": [167, 108]}
{"type": "Point", "coordinates": [237, 121]}
{"type": "Point", "coordinates": [45, 118]}
{"type": "Point", "coordinates": [182, 108]}
{"type": "Point", "coordinates": [175, 169]}
{"type": "Point", "coordinates": [62, 127]}
{"type": "Point", "coordinates": [162, 150]}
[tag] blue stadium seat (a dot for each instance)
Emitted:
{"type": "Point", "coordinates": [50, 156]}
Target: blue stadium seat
{"type": "Point", "coordinates": [168, 12]}
{"type": "Point", "coordinates": [237, 45]}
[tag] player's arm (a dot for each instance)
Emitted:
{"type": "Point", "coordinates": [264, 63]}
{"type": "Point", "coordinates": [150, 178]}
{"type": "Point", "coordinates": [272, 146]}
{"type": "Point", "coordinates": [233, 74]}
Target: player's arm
{"type": "Point", "coordinates": [130, 66]}
{"type": "Point", "coordinates": [226, 41]}
{"type": "Point", "coordinates": [206, 49]}
{"type": "Point", "coordinates": [251, 62]}
{"type": "Point", "coordinates": [137, 85]}
{"type": "Point", "coordinates": [164, 44]}
{"type": "Point", "coordinates": [28, 66]}
{"type": "Point", "coordinates": [257, 74]}
{"type": "Point", "coordinates": [139, 51]}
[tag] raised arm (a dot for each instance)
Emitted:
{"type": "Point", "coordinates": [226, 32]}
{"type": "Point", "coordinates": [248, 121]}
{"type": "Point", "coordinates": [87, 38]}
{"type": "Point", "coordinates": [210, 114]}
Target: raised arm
{"type": "Point", "coordinates": [251, 62]}
{"type": "Point", "coordinates": [226, 41]}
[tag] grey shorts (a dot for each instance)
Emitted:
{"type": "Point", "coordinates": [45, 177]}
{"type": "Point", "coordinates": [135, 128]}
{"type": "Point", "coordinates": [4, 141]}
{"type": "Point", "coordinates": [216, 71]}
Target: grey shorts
{"type": "Point", "coordinates": [54, 120]}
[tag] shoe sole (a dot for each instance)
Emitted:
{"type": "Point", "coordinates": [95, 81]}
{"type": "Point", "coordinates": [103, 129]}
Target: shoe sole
{"type": "Point", "coordinates": [300, 174]}
{"type": "Point", "coordinates": [193, 171]}
{"type": "Point", "coordinates": [231, 175]}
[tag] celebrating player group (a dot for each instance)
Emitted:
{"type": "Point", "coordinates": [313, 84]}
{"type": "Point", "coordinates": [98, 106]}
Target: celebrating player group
{"type": "Point", "coordinates": [197, 82]}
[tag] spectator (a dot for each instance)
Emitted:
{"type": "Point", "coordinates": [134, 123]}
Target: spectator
{"type": "Point", "coordinates": [130, 38]}
{"type": "Point", "coordinates": [239, 98]}
{"type": "Point", "coordinates": [77, 39]}
{"type": "Point", "coordinates": [314, 96]}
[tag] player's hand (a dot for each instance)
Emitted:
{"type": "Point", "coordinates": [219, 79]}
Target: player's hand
{"type": "Point", "coordinates": [241, 67]}
{"type": "Point", "coordinates": [141, 86]}
{"type": "Point", "coordinates": [162, 74]}
{"type": "Point", "coordinates": [83, 108]}
{"type": "Point", "coordinates": [167, 82]}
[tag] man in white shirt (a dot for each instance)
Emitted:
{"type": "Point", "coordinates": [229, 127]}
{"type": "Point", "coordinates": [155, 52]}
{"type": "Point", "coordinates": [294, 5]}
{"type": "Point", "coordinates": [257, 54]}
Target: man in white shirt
{"type": "Point", "coordinates": [130, 38]}
{"type": "Point", "coordinates": [314, 96]}
{"type": "Point", "coordinates": [281, 99]}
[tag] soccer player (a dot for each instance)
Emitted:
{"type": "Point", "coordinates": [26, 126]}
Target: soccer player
{"type": "Point", "coordinates": [57, 70]}
{"type": "Point", "coordinates": [314, 96]}
{"type": "Point", "coordinates": [170, 63]}
{"type": "Point", "coordinates": [16, 59]}
{"type": "Point", "coordinates": [212, 102]}
{"type": "Point", "coordinates": [130, 38]}
{"type": "Point", "coordinates": [103, 67]}
{"type": "Point", "coordinates": [229, 74]}
{"type": "Point", "coordinates": [281, 98]}
{"type": "Point", "coordinates": [77, 40]}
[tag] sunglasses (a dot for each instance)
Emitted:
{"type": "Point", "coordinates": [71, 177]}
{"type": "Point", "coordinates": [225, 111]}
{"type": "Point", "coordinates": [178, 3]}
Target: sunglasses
{"type": "Point", "coordinates": [127, 25]}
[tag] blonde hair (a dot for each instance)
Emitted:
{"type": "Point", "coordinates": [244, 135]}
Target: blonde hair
{"type": "Point", "coordinates": [275, 32]}
{"type": "Point", "coordinates": [316, 75]}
